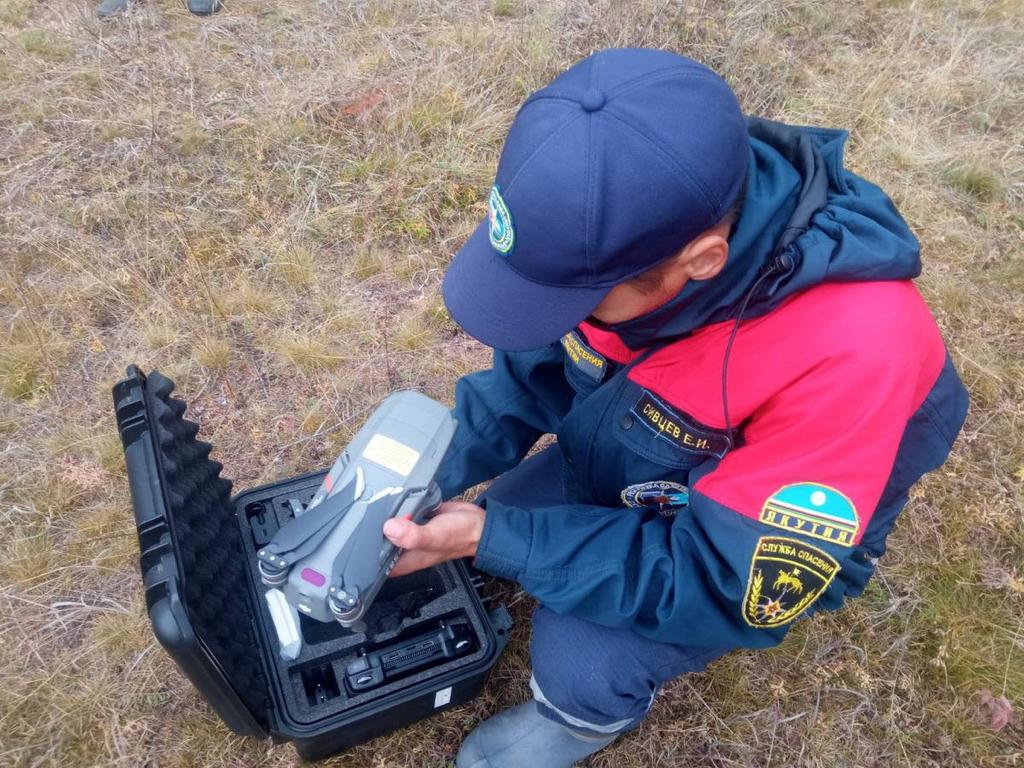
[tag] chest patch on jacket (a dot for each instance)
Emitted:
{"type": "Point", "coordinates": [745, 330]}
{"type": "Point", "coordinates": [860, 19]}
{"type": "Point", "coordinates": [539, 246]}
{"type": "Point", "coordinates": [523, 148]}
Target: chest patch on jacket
{"type": "Point", "coordinates": [661, 496]}
{"type": "Point", "coordinates": [786, 576]}
{"type": "Point", "coordinates": [678, 428]}
{"type": "Point", "coordinates": [813, 510]}
{"type": "Point", "coordinates": [583, 356]}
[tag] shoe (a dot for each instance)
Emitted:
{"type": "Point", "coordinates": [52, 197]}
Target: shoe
{"type": "Point", "coordinates": [522, 737]}
{"type": "Point", "coordinates": [203, 7]}
{"type": "Point", "coordinates": [109, 8]}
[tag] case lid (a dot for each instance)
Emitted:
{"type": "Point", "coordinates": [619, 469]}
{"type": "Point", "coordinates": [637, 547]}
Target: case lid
{"type": "Point", "coordinates": [192, 563]}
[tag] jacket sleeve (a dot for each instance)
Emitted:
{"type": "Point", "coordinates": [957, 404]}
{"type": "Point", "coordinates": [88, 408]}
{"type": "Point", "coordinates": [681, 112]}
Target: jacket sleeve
{"type": "Point", "coordinates": [501, 413]}
{"type": "Point", "coordinates": [727, 570]}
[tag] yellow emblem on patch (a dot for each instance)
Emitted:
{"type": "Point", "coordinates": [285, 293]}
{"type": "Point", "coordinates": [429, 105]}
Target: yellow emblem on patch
{"type": "Point", "coordinates": [786, 576]}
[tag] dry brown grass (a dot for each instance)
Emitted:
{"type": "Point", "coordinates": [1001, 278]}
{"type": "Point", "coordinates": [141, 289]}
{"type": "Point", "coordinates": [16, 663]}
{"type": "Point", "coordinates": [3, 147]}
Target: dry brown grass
{"type": "Point", "coordinates": [262, 204]}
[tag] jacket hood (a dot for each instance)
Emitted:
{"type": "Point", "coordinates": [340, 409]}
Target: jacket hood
{"type": "Point", "coordinates": [806, 220]}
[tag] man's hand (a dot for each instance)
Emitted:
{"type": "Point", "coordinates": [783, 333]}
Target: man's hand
{"type": "Point", "coordinates": [453, 532]}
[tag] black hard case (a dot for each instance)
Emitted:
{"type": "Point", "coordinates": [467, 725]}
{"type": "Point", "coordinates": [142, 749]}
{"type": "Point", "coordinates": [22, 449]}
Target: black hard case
{"type": "Point", "coordinates": [206, 605]}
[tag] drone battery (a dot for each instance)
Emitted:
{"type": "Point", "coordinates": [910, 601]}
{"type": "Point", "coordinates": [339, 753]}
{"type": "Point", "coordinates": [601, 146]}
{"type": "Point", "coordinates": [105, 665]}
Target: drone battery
{"type": "Point", "coordinates": [428, 642]}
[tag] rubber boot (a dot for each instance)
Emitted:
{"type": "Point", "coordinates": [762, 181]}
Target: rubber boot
{"type": "Point", "coordinates": [110, 8]}
{"type": "Point", "coordinates": [203, 7]}
{"type": "Point", "coordinates": [522, 737]}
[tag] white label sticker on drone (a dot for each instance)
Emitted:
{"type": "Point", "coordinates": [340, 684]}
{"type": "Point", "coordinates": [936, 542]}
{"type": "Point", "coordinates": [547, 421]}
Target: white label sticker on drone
{"type": "Point", "coordinates": [442, 697]}
{"type": "Point", "coordinates": [391, 454]}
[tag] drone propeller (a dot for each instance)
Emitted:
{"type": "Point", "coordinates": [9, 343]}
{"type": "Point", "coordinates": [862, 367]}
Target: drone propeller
{"type": "Point", "coordinates": [302, 535]}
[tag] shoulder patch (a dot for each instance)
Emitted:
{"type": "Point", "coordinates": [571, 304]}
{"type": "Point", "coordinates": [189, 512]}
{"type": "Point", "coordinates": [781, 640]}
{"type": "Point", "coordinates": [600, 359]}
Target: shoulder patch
{"type": "Point", "coordinates": [814, 510]}
{"type": "Point", "coordinates": [678, 428]}
{"type": "Point", "coordinates": [786, 576]}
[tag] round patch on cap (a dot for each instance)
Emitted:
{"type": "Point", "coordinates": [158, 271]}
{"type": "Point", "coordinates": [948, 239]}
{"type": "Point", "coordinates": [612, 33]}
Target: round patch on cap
{"type": "Point", "coordinates": [502, 234]}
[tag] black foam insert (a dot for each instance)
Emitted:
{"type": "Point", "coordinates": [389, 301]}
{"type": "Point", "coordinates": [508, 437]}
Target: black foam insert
{"type": "Point", "coordinates": [209, 546]}
{"type": "Point", "coordinates": [395, 612]}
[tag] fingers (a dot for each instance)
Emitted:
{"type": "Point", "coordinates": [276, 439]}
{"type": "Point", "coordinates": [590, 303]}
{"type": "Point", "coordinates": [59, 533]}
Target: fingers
{"type": "Point", "coordinates": [415, 561]}
{"type": "Point", "coordinates": [454, 532]}
{"type": "Point", "coordinates": [405, 534]}
{"type": "Point", "coordinates": [412, 538]}
{"type": "Point", "coordinates": [409, 535]}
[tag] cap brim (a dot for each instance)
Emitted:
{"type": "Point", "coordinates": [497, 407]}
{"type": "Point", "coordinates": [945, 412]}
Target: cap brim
{"type": "Point", "coordinates": [496, 305]}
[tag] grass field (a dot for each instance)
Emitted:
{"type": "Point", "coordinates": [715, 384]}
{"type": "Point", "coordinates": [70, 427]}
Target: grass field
{"type": "Point", "coordinates": [262, 204]}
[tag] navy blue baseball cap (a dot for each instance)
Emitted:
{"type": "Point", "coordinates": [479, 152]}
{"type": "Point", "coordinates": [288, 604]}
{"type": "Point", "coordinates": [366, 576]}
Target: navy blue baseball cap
{"type": "Point", "coordinates": [609, 170]}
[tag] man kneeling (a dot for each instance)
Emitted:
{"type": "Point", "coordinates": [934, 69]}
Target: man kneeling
{"type": "Point", "coordinates": [717, 320]}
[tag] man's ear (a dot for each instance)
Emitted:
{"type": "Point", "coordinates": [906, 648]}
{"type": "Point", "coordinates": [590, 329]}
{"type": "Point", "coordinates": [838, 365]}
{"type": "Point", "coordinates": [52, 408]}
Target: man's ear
{"type": "Point", "coordinates": [707, 256]}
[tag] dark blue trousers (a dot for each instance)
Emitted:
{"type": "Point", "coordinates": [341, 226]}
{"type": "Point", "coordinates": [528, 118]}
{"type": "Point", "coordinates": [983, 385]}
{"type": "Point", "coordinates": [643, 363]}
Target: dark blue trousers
{"type": "Point", "coordinates": [592, 678]}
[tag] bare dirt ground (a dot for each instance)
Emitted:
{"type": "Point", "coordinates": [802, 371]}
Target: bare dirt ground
{"type": "Point", "coordinates": [262, 204]}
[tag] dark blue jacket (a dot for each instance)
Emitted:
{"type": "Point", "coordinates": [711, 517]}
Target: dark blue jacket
{"type": "Point", "coordinates": [711, 512]}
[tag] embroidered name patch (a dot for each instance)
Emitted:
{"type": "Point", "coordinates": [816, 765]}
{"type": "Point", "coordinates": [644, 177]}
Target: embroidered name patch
{"type": "Point", "coordinates": [500, 230]}
{"type": "Point", "coordinates": [786, 576]}
{"type": "Point", "coordinates": [678, 428]}
{"type": "Point", "coordinates": [583, 357]}
{"type": "Point", "coordinates": [662, 496]}
{"type": "Point", "coordinates": [813, 510]}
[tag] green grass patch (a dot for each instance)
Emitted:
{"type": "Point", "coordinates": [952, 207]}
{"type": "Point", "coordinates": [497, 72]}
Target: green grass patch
{"type": "Point", "coordinates": [505, 8]}
{"type": "Point", "coordinates": [23, 373]}
{"type": "Point", "coordinates": [436, 114]}
{"type": "Point", "coordinates": [47, 46]}
{"type": "Point", "coordinates": [975, 180]}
